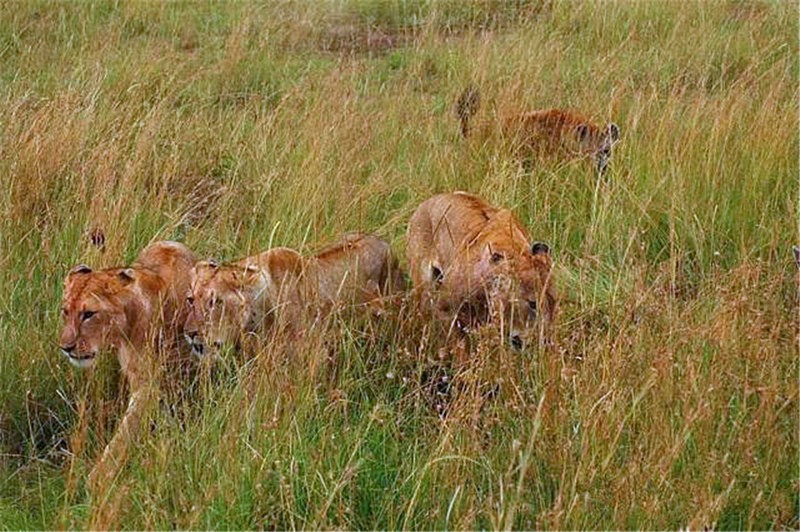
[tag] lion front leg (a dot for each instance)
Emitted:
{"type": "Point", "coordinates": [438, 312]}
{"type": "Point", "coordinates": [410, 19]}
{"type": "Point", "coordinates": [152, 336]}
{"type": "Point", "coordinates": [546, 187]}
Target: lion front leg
{"type": "Point", "coordinates": [139, 405]}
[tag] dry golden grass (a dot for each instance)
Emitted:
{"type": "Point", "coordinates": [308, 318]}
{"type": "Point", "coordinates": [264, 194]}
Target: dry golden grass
{"type": "Point", "coordinates": [671, 399]}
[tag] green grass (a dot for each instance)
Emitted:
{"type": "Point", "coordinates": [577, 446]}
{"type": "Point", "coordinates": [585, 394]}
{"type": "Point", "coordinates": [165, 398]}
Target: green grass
{"type": "Point", "coordinates": [239, 126]}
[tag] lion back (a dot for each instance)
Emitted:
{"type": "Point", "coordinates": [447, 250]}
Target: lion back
{"type": "Point", "coordinates": [171, 262]}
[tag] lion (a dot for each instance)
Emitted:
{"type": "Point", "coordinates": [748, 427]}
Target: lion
{"type": "Point", "coordinates": [278, 289]}
{"type": "Point", "coordinates": [133, 311]}
{"type": "Point", "coordinates": [476, 262]}
{"type": "Point", "coordinates": [251, 295]}
{"type": "Point", "coordinates": [546, 132]}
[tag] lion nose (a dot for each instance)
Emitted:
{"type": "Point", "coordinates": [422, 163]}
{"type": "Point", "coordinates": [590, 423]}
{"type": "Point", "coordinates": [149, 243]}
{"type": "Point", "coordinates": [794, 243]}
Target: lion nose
{"type": "Point", "coordinates": [516, 341]}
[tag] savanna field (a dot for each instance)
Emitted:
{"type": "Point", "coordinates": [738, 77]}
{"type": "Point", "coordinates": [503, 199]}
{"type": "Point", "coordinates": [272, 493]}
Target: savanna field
{"type": "Point", "coordinates": [234, 127]}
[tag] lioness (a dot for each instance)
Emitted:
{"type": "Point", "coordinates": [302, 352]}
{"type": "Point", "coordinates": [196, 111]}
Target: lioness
{"type": "Point", "coordinates": [545, 132]}
{"type": "Point", "coordinates": [477, 262]}
{"type": "Point", "coordinates": [245, 296]}
{"type": "Point", "coordinates": [278, 288]}
{"type": "Point", "coordinates": [131, 311]}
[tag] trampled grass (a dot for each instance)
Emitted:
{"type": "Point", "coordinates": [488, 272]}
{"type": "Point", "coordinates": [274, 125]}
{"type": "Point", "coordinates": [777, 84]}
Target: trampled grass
{"type": "Point", "coordinates": [672, 397]}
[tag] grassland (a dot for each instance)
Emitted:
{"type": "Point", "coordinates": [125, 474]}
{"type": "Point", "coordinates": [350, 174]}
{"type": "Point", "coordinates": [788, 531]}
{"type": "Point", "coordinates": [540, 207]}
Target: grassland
{"type": "Point", "coordinates": [238, 126]}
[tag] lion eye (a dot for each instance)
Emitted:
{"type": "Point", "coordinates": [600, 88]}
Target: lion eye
{"type": "Point", "coordinates": [532, 307]}
{"type": "Point", "coordinates": [190, 300]}
{"type": "Point", "coordinates": [497, 257]}
{"type": "Point", "coordinates": [87, 314]}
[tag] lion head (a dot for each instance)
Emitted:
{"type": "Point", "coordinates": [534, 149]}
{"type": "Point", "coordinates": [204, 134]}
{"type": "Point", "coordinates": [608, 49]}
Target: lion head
{"type": "Point", "coordinates": [598, 142]}
{"type": "Point", "coordinates": [95, 313]}
{"type": "Point", "coordinates": [229, 301]}
{"type": "Point", "coordinates": [499, 278]}
{"type": "Point", "coordinates": [221, 304]}
{"type": "Point", "coordinates": [522, 297]}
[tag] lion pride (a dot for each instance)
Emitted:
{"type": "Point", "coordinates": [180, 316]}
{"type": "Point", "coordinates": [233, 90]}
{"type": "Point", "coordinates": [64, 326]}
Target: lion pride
{"type": "Point", "coordinates": [477, 262]}
{"type": "Point", "coordinates": [277, 289]}
{"type": "Point", "coordinates": [546, 132]}
{"type": "Point", "coordinates": [133, 312]}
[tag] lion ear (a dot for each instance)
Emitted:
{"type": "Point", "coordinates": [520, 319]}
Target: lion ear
{"type": "Point", "coordinates": [80, 268]}
{"type": "Point", "coordinates": [540, 248]}
{"type": "Point", "coordinates": [127, 275]}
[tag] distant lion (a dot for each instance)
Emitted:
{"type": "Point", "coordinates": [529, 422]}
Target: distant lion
{"type": "Point", "coordinates": [278, 289]}
{"type": "Point", "coordinates": [478, 264]}
{"type": "Point", "coordinates": [134, 312]}
{"type": "Point", "coordinates": [546, 132]}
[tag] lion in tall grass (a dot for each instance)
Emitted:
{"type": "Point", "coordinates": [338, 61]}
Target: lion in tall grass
{"type": "Point", "coordinates": [279, 290]}
{"type": "Point", "coordinates": [544, 133]}
{"type": "Point", "coordinates": [477, 264]}
{"type": "Point", "coordinates": [136, 312]}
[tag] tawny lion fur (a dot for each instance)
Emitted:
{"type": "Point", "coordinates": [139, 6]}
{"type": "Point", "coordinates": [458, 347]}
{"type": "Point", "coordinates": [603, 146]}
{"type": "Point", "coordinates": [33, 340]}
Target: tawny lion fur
{"type": "Point", "coordinates": [135, 312]}
{"type": "Point", "coordinates": [548, 132]}
{"type": "Point", "coordinates": [279, 289]}
{"type": "Point", "coordinates": [477, 262]}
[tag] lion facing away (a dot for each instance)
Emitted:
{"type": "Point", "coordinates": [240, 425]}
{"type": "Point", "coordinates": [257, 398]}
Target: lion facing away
{"type": "Point", "coordinates": [546, 132]}
{"type": "Point", "coordinates": [279, 290]}
{"type": "Point", "coordinates": [476, 262]}
{"type": "Point", "coordinates": [134, 312]}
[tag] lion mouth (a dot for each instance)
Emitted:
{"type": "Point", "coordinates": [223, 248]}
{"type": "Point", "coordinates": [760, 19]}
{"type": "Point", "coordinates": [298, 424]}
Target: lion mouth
{"type": "Point", "coordinates": [472, 315]}
{"type": "Point", "coordinates": [81, 360]}
{"type": "Point", "coordinates": [195, 344]}
{"type": "Point", "coordinates": [197, 347]}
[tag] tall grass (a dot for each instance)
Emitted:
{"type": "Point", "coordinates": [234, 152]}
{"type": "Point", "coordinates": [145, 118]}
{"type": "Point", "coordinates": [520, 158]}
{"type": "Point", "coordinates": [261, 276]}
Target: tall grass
{"type": "Point", "coordinates": [671, 399]}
